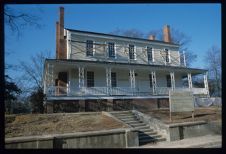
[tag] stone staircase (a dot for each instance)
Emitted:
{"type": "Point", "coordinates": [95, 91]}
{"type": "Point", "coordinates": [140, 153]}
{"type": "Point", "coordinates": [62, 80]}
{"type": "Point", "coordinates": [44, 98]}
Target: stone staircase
{"type": "Point", "coordinates": [146, 134]}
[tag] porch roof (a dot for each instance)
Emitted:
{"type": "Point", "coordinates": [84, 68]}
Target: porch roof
{"type": "Point", "coordinates": [134, 65]}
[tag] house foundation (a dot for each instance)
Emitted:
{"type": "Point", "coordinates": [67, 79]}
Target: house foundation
{"type": "Point", "coordinates": [96, 105]}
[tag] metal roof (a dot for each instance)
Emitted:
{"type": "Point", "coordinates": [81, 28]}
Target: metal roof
{"type": "Point", "coordinates": [197, 70]}
{"type": "Point", "coordinates": [126, 37]}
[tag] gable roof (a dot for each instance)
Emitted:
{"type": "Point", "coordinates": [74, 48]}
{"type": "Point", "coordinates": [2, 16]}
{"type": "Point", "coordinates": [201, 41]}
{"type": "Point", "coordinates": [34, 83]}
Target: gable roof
{"type": "Point", "coordinates": [119, 36]}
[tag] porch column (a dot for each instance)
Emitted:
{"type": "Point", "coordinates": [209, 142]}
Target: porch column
{"type": "Point", "coordinates": [184, 58]}
{"type": "Point", "coordinates": [108, 79]}
{"type": "Point", "coordinates": [172, 80]}
{"type": "Point", "coordinates": [153, 76]}
{"type": "Point", "coordinates": [189, 81]}
{"type": "Point", "coordinates": [51, 78]}
{"type": "Point", "coordinates": [81, 76]}
{"type": "Point", "coordinates": [132, 79]}
{"type": "Point", "coordinates": [206, 83]}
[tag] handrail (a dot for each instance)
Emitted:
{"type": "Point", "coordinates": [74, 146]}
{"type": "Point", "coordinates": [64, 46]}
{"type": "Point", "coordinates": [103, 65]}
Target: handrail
{"type": "Point", "coordinates": [115, 91]}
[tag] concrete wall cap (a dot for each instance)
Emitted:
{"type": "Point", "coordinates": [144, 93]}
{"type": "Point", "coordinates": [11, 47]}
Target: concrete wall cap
{"type": "Point", "coordinates": [187, 124]}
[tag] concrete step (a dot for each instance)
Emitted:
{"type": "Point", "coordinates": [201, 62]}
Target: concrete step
{"type": "Point", "coordinates": [124, 113]}
{"type": "Point", "coordinates": [153, 140]}
{"type": "Point", "coordinates": [127, 119]}
{"type": "Point", "coordinates": [142, 128]}
{"type": "Point", "coordinates": [118, 112]}
{"type": "Point", "coordinates": [124, 116]}
{"type": "Point", "coordinates": [145, 130]}
{"type": "Point", "coordinates": [144, 137]}
{"type": "Point", "coordinates": [121, 113]}
{"type": "Point", "coordinates": [133, 122]}
{"type": "Point", "coordinates": [138, 124]}
{"type": "Point", "coordinates": [151, 132]}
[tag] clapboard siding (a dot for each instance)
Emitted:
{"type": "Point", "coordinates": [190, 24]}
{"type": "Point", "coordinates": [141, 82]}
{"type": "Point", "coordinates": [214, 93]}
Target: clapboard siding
{"type": "Point", "coordinates": [123, 78]}
{"type": "Point", "coordinates": [78, 50]}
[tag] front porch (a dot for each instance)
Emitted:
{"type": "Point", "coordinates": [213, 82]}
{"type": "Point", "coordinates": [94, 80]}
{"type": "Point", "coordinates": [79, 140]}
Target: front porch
{"type": "Point", "coordinates": [116, 81]}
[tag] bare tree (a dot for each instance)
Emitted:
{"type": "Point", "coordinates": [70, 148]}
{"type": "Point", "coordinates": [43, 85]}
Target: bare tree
{"type": "Point", "coordinates": [213, 63]}
{"type": "Point", "coordinates": [180, 38]}
{"type": "Point", "coordinates": [31, 81]}
{"type": "Point", "coordinates": [129, 33]}
{"type": "Point", "coordinates": [33, 71]}
{"type": "Point", "coordinates": [16, 19]}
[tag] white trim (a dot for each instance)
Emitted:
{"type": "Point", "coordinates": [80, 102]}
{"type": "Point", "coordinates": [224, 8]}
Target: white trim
{"type": "Point", "coordinates": [206, 82]}
{"type": "Point", "coordinates": [81, 77]}
{"type": "Point", "coordinates": [103, 97]}
{"type": "Point", "coordinates": [189, 81]}
{"type": "Point", "coordinates": [69, 47]}
{"type": "Point", "coordinates": [153, 55]}
{"type": "Point", "coordinates": [184, 58]}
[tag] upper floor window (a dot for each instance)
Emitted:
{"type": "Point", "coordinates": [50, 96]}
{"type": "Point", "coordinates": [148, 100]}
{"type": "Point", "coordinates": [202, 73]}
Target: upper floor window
{"type": "Point", "coordinates": [111, 50]}
{"type": "Point", "coordinates": [167, 55]}
{"type": "Point", "coordinates": [149, 53]}
{"type": "Point", "coordinates": [131, 52]}
{"type": "Point", "coordinates": [89, 48]}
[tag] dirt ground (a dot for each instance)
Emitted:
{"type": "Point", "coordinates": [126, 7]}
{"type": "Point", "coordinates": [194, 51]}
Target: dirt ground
{"type": "Point", "coordinates": [205, 113]}
{"type": "Point", "coordinates": [41, 124]}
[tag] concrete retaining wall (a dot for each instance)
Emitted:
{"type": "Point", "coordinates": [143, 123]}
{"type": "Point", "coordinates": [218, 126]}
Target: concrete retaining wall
{"type": "Point", "coordinates": [180, 131]}
{"type": "Point", "coordinates": [117, 138]}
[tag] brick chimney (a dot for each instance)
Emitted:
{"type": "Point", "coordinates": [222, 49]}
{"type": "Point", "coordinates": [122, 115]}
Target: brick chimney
{"type": "Point", "coordinates": [166, 34]}
{"type": "Point", "coordinates": [151, 37]}
{"type": "Point", "coordinates": [61, 50]}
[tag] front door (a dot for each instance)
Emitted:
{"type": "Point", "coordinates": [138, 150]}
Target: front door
{"type": "Point", "coordinates": [62, 83]}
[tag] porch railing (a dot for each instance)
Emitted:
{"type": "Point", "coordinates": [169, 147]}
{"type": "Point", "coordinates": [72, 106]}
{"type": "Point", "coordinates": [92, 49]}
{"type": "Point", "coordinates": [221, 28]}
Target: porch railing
{"type": "Point", "coordinates": [114, 91]}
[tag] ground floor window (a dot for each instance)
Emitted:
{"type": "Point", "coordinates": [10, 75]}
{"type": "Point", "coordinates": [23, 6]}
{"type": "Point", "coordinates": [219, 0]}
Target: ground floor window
{"type": "Point", "coordinates": [168, 81]}
{"type": "Point", "coordinates": [113, 79]}
{"type": "Point", "coordinates": [90, 79]}
{"type": "Point", "coordinates": [150, 79]}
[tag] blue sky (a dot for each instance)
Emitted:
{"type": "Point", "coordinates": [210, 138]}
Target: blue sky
{"type": "Point", "coordinates": [201, 22]}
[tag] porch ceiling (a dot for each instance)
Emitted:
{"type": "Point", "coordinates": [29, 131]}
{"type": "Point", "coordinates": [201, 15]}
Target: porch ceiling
{"type": "Point", "coordinates": [85, 63]}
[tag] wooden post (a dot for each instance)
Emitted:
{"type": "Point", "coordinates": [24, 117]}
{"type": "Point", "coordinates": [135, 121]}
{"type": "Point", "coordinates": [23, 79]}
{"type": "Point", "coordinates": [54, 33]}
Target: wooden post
{"type": "Point", "coordinates": [193, 116]}
{"type": "Point", "coordinates": [170, 116]}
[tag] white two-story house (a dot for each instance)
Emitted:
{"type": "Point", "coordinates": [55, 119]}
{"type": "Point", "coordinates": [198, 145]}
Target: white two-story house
{"type": "Point", "coordinates": [92, 66]}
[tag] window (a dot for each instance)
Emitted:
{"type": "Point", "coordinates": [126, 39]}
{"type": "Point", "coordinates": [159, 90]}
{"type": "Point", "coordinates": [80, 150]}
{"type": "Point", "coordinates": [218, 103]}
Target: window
{"type": "Point", "coordinates": [168, 81]}
{"type": "Point", "coordinates": [89, 48]}
{"type": "Point", "coordinates": [150, 79]}
{"type": "Point", "coordinates": [167, 55]}
{"type": "Point", "coordinates": [131, 52]}
{"type": "Point", "coordinates": [111, 50]}
{"type": "Point", "coordinates": [90, 79]}
{"type": "Point", "coordinates": [149, 53]}
{"type": "Point", "coordinates": [113, 79]}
